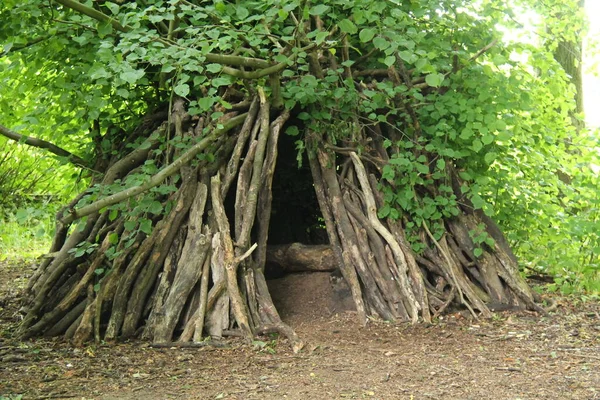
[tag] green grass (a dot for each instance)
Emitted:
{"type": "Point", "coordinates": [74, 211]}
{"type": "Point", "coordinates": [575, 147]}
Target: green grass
{"type": "Point", "coordinates": [26, 232]}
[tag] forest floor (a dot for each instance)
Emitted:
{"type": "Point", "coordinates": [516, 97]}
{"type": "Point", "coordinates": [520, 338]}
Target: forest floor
{"type": "Point", "coordinates": [512, 356]}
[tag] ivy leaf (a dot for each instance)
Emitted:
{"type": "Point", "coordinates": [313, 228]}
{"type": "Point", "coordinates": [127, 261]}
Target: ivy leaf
{"type": "Point", "coordinates": [98, 72]}
{"type": "Point", "coordinates": [477, 201]}
{"type": "Point", "coordinates": [408, 56]}
{"type": "Point", "coordinates": [347, 26]}
{"type": "Point", "coordinates": [366, 35]}
{"type": "Point", "coordinates": [384, 211]}
{"type": "Point", "coordinates": [318, 10]}
{"type": "Point", "coordinates": [423, 169]}
{"type": "Point", "coordinates": [434, 80]}
{"type": "Point", "coordinates": [477, 252]}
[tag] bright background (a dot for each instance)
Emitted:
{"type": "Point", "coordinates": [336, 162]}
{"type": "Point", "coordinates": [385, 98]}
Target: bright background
{"type": "Point", "coordinates": [591, 77]}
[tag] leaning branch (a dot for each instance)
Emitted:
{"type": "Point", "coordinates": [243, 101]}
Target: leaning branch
{"type": "Point", "coordinates": [93, 13]}
{"type": "Point", "coordinates": [157, 179]}
{"type": "Point", "coordinates": [42, 144]}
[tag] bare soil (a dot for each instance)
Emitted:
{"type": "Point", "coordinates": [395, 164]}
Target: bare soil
{"type": "Point", "coordinates": [512, 356]}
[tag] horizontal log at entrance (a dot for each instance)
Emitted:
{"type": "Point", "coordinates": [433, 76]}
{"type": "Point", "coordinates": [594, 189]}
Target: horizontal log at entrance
{"type": "Point", "coordinates": [298, 257]}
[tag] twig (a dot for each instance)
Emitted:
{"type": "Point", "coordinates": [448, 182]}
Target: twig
{"type": "Point", "coordinates": [42, 144]}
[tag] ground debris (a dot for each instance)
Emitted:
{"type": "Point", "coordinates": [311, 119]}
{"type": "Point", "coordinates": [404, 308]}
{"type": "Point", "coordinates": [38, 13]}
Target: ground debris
{"type": "Point", "coordinates": [510, 356]}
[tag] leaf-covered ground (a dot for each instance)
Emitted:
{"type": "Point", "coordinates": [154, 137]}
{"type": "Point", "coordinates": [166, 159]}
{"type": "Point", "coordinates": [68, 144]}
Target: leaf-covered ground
{"type": "Point", "coordinates": [518, 356]}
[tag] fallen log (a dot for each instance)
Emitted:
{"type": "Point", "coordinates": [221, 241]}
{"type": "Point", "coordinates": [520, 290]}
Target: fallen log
{"type": "Point", "coordinates": [298, 257]}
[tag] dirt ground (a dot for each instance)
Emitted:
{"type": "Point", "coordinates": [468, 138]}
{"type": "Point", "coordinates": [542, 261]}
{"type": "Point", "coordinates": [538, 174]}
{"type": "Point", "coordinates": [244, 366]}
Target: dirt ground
{"type": "Point", "coordinates": [512, 356]}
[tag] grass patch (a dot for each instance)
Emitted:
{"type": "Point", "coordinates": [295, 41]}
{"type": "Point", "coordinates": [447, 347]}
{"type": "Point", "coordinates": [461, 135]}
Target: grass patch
{"type": "Point", "coordinates": [26, 232]}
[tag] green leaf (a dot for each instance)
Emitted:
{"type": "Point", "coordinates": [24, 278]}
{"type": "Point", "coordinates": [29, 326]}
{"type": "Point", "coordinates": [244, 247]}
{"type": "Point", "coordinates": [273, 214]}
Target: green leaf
{"type": "Point", "coordinates": [113, 238]}
{"type": "Point", "coordinates": [434, 80]}
{"type": "Point", "coordinates": [381, 43]}
{"type": "Point", "coordinates": [104, 29]}
{"type": "Point", "coordinates": [477, 145]}
{"type": "Point", "coordinates": [319, 38]}
{"type": "Point", "coordinates": [183, 89]}
{"type": "Point", "coordinates": [384, 211]}
{"type": "Point", "coordinates": [114, 8]}
{"type": "Point", "coordinates": [292, 130]}
{"type": "Point", "coordinates": [214, 68]}
{"type": "Point", "coordinates": [318, 10]}
{"type": "Point", "coordinates": [155, 207]}
{"type": "Point", "coordinates": [441, 164]}
{"type": "Point", "coordinates": [347, 26]}
{"type": "Point", "coordinates": [113, 215]}
{"type": "Point", "coordinates": [477, 201]}
{"type": "Point", "coordinates": [132, 76]}
{"type": "Point", "coordinates": [407, 56]}
{"type": "Point", "coordinates": [389, 61]}
{"type": "Point", "coordinates": [241, 12]}
{"type": "Point", "coordinates": [487, 139]}
{"type": "Point", "coordinates": [423, 169]}
{"type": "Point", "coordinates": [490, 157]}
{"type": "Point", "coordinates": [206, 103]}
{"type": "Point", "coordinates": [146, 226]}
{"type": "Point", "coordinates": [367, 34]}
{"type": "Point", "coordinates": [221, 81]}
{"type": "Point", "coordinates": [130, 225]}
{"type": "Point", "coordinates": [503, 136]}
{"type": "Point", "coordinates": [477, 252]}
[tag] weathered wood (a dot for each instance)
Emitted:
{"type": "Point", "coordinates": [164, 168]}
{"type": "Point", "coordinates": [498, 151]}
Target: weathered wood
{"type": "Point", "coordinates": [189, 268]}
{"type": "Point", "coordinates": [298, 257]}
{"type": "Point", "coordinates": [230, 263]}
{"type": "Point", "coordinates": [399, 256]}
{"type": "Point", "coordinates": [344, 232]}
{"type": "Point", "coordinates": [217, 304]}
{"type": "Point", "coordinates": [265, 193]}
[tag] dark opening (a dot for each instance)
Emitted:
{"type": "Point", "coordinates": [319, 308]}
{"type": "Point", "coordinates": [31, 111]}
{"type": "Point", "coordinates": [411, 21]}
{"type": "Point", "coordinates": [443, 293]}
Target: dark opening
{"type": "Point", "coordinates": [295, 215]}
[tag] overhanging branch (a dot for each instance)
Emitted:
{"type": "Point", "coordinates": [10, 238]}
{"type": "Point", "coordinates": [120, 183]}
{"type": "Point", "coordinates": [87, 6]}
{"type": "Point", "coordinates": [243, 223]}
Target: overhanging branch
{"type": "Point", "coordinates": [42, 144]}
{"type": "Point", "coordinates": [93, 13]}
